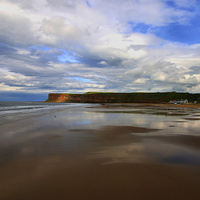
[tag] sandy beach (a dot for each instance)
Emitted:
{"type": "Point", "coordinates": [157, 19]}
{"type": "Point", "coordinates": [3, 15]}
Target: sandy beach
{"type": "Point", "coordinates": [94, 151]}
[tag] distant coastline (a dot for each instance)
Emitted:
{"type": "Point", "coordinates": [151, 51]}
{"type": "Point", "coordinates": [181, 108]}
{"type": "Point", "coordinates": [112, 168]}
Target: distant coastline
{"type": "Point", "coordinates": [137, 97]}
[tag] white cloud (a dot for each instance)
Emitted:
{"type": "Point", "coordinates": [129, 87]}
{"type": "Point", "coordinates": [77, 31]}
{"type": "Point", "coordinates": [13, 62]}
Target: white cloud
{"type": "Point", "coordinates": [153, 12]}
{"type": "Point", "coordinates": [102, 63]}
{"type": "Point", "coordinates": [141, 80]}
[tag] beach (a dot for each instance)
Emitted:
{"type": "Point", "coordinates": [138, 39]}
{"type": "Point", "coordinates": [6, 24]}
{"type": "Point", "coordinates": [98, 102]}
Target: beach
{"type": "Point", "coordinates": [101, 151]}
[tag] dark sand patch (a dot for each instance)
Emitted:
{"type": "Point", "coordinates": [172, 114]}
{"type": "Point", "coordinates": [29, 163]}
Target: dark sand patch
{"type": "Point", "coordinates": [179, 105]}
{"type": "Point", "coordinates": [125, 105]}
{"type": "Point", "coordinates": [190, 118]}
{"type": "Point", "coordinates": [151, 105]}
{"type": "Point", "coordinates": [168, 114]}
{"type": "Point", "coordinates": [82, 130]}
{"type": "Point", "coordinates": [121, 111]}
{"type": "Point", "coordinates": [118, 130]}
{"type": "Point", "coordinates": [142, 112]}
{"type": "Point", "coordinates": [115, 135]}
{"type": "Point", "coordinates": [180, 121]}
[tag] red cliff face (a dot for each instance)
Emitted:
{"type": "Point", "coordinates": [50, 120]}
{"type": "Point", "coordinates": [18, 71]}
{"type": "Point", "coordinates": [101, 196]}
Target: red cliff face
{"type": "Point", "coordinates": [83, 98]}
{"type": "Point", "coordinates": [57, 98]}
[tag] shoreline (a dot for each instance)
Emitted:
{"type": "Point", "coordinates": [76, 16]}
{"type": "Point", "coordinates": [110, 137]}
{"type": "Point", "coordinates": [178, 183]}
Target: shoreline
{"type": "Point", "coordinates": [180, 105]}
{"type": "Point", "coordinates": [152, 104]}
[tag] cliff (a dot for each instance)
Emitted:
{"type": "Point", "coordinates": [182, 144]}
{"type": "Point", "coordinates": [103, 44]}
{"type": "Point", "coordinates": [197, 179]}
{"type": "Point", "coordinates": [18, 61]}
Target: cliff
{"type": "Point", "coordinates": [93, 97]}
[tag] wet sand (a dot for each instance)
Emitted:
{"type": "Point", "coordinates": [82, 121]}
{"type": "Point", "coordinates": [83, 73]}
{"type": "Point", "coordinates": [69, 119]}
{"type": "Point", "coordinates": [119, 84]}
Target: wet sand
{"type": "Point", "coordinates": [86, 180]}
{"type": "Point", "coordinates": [150, 104]}
{"type": "Point", "coordinates": [81, 153]}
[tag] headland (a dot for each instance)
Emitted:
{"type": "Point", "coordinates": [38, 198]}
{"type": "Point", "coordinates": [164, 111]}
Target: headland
{"type": "Point", "coordinates": [137, 97]}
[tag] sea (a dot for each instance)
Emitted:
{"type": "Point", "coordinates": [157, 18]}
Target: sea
{"type": "Point", "coordinates": [15, 110]}
{"type": "Point", "coordinates": [11, 107]}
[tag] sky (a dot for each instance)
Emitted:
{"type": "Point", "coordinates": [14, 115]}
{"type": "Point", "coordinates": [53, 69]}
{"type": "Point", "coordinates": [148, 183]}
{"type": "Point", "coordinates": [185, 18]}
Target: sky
{"type": "Point", "coordinates": [77, 46]}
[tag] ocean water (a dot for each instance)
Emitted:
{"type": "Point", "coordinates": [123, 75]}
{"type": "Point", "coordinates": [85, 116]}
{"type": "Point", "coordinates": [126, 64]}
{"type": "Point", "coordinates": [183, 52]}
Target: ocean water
{"type": "Point", "coordinates": [28, 106]}
{"type": "Point", "coordinates": [15, 110]}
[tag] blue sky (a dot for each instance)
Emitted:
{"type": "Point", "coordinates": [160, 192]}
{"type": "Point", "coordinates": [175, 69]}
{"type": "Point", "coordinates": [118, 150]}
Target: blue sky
{"type": "Point", "coordinates": [76, 46]}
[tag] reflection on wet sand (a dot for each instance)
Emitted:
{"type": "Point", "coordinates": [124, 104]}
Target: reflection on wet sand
{"type": "Point", "coordinates": [149, 151]}
{"type": "Point", "coordinates": [86, 154]}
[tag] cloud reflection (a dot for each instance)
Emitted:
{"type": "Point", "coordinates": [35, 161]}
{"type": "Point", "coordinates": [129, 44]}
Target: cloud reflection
{"type": "Point", "coordinates": [149, 151]}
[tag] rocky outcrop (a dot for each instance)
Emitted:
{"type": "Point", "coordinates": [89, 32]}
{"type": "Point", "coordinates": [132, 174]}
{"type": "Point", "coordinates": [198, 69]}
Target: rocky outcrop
{"type": "Point", "coordinates": [92, 97]}
{"type": "Point", "coordinates": [85, 98]}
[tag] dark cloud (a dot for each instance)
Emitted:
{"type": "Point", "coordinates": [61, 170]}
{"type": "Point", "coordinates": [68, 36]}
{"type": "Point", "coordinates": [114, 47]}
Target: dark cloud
{"type": "Point", "coordinates": [16, 30]}
{"type": "Point", "coordinates": [70, 4]}
{"type": "Point", "coordinates": [93, 60]}
{"type": "Point", "coordinates": [137, 47]}
{"type": "Point", "coordinates": [194, 70]}
{"type": "Point", "coordinates": [5, 49]}
{"type": "Point", "coordinates": [25, 4]}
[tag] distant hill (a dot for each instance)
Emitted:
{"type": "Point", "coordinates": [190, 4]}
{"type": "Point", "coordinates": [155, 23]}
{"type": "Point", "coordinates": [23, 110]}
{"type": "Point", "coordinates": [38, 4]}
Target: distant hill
{"type": "Point", "coordinates": [108, 97]}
